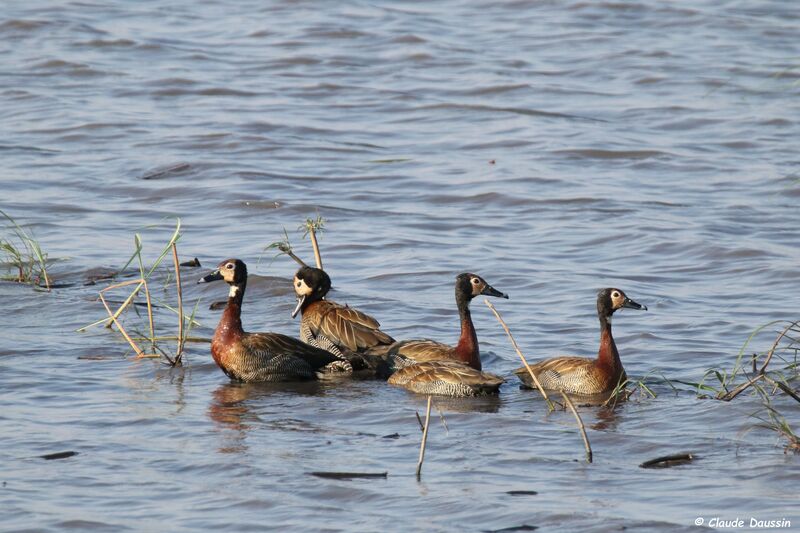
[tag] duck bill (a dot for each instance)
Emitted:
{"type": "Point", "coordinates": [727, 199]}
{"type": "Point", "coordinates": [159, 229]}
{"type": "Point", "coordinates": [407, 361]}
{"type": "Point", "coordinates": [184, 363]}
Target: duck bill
{"type": "Point", "coordinates": [300, 300]}
{"type": "Point", "coordinates": [214, 276]}
{"type": "Point", "coordinates": [630, 304]}
{"type": "Point", "coordinates": [488, 290]}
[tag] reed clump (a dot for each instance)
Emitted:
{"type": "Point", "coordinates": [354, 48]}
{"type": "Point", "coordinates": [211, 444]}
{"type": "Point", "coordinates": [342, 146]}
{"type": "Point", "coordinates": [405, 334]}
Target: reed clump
{"type": "Point", "coordinates": [24, 255]}
{"type": "Point", "coordinates": [311, 228]}
{"type": "Point", "coordinates": [149, 332]}
{"type": "Point", "coordinates": [770, 375]}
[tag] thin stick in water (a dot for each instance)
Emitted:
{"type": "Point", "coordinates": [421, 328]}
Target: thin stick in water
{"type": "Point", "coordinates": [135, 346]}
{"type": "Point", "coordinates": [519, 353]}
{"type": "Point", "coordinates": [125, 304]}
{"type": "Point", "coordinates": [775, 345]}
{"type": "Point", "coordinates": [179, 353]}
{"type": "Point", "coordinates": [424, 439]}
{"type": "Point", "coordinates": [586, 444]}
{"type": "Point", "coordinates": [728, 396]}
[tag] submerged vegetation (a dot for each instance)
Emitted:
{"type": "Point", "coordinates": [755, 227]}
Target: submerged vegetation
{"type": "Point", "coordinates": [24, 255]}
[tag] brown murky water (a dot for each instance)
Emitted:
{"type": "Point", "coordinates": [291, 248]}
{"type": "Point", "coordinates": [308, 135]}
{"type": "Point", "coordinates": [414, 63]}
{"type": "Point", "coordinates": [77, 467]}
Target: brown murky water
{"type": "Point", "coordinates": [553, 147]}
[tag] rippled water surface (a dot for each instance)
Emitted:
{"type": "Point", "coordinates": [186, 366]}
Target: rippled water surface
{"type": "Point", "coordinates": [553, 147]}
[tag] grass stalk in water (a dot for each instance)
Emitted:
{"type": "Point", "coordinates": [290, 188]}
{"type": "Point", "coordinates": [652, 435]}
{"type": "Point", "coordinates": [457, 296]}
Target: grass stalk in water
{"type": "Point", "coordinates": [581, 427]}
{"type": "Point", "coordinates": [25, 255]}
{"type": "Point", "coordinates": [519, 353]}
{"type": "Point", "coordinates": [424, 439]}
{"type": "Point", "coordinates": [141, 284]}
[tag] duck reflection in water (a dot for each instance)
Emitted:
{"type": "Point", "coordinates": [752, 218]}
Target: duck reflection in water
{"type": "Point", "coordinates": [230, 408]}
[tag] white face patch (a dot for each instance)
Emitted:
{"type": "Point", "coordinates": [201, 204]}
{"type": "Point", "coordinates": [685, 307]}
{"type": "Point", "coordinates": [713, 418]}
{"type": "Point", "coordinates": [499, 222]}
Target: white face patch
{"type": "Point", "coordinates": [233, 292]}
{"type": "Point", "coordinates": [300, 287]}
{"type": "Point", "coordinates": [477, 286]}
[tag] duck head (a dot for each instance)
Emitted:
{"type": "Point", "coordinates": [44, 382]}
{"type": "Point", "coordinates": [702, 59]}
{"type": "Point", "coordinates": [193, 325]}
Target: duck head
{"type": "Point", "coordinates": [611, 299]}
{"type": "Point", "coordinates": [310, 284]}
{"type": "Point", "coordinates": [472, 285]}
{"type": "Point", "coordinates": [232, 271]}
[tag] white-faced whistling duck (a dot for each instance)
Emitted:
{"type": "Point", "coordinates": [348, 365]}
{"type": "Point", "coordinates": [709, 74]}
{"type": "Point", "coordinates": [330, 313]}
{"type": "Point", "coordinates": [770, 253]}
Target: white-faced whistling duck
{"type": "Point", "coordinates": [260, 356]}
{"type": "Point", "coordinates": [325, 324]}
{"type": "Point", "coordinates": [581, 375]}
{"type": "Point", "coordinates": [430, 367]}
{"type": "Point", "coordinates": [467, 287]}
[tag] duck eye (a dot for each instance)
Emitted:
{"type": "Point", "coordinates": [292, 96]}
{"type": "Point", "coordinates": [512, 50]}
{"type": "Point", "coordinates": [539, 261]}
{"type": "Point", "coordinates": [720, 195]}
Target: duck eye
{"type": "Point", "coordinates": [615, 294]}
{"type": "Point", "coordinates": [229, 266]}
{"type": "Point", "coordinates": [475, 281]}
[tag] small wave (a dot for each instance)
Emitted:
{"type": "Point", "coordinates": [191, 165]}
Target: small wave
{"type": "Point", "coordinates": [593, 153]}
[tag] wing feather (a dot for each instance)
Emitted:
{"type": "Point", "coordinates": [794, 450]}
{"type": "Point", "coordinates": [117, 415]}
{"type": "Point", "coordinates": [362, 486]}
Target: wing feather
{"type": "Point", "coordinates": [347, 327]}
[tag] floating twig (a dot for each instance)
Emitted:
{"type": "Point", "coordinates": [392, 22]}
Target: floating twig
{"type": "Point", "coordinates": [424, 439]}
{"type": "Point", "coordinates": [57, 455]}
{"type": "Point", "coordinates": [586, 444]}
{"type": "Point", "coordinates": [349, 475]}
{"type": "Point", "coordinates": [668, 460]}
{"type": "Point", "coordinates": [519, 353]}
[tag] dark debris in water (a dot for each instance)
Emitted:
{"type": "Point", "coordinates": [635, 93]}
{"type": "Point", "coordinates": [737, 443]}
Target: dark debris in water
{"type": "Point", "coordinates": [522, 493]}
{"type": "Point", "coordinates": [163, 172]}
{"type": "Point", "coordinates": [350, 475]}
{"type": "Point", "coordinates": [193, 263]}
{"type": "Point", "coordinates": [669, 460]}
{"type": "Point", "coordinates": [98, 274]}
{"type": "Point", "coordinates": [523, 527]}
{"type": "Point", "coordinates": [57, 455]}
{"type": "Point", "coordinates": [215, 306]}
{"type": "Point", "coordinates": [392, 436]}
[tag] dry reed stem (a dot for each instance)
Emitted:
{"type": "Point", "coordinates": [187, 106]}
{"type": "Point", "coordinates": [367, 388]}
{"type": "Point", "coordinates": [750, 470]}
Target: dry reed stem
{"type": "Point", "coordinates": [774, 346]}
{"type": "Point", "coordinates": [124, 304]}
{"type": "Point", "coordinates": [784, 388]}
{"type": "Point", "coordinates": [586, 444]}
{"type": "Point", "coordinates": [424, 439]}
{"type": "Point", "coordinates": [519, 353]}
{"type": "Point", "coordinates": [738, 390]}
{"type": "Point", "coordinates": [139, 351]}
{"type": "Point", "coordinates": [297, 259]}
{"type": "Point", "coordinates": [179, 353]}
{"type": "Point", "coordinates": [317, 257]}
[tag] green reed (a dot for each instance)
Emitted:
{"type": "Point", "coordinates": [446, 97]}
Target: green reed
{"type": "Point", "coordinates": [312, 227]}
{"type": "Point", "coordinates": [24, 254]}
{"type": "Point", "coordinates": [142, 284]}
